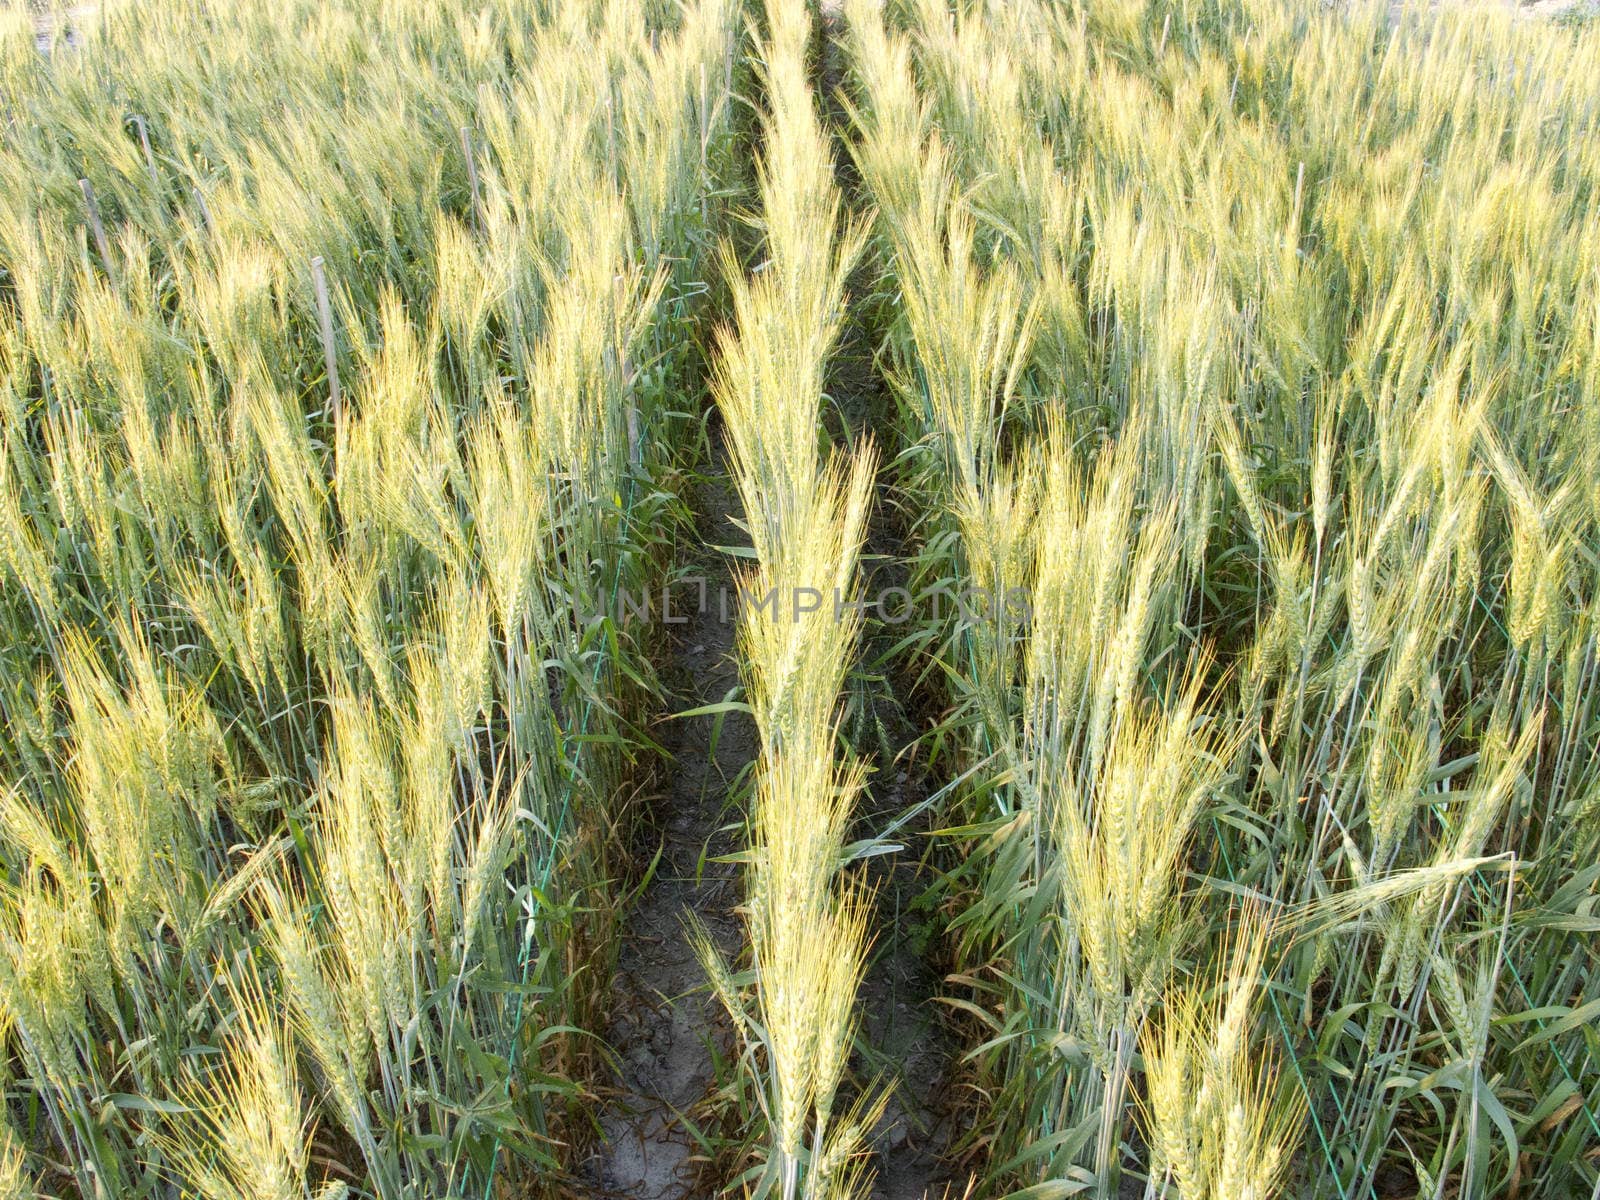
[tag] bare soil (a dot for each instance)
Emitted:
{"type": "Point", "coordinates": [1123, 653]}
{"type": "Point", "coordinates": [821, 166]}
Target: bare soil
{"type": "Point", "coordinates": [665, 1022]}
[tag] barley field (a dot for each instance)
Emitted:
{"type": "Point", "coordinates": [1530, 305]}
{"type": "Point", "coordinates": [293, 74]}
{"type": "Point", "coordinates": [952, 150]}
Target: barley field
{"type": "Point", "coordinates": [913, 599]}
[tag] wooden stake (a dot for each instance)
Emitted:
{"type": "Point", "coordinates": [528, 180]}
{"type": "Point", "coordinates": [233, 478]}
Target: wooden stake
{"type": "Point", "coordinates": [611, 132]}
{"type": "Point", "coordinates": [96, 227]}
{"type": "Point", "coordinates": [319, 280]}
{"type": "Point", "coordinates": [705, 134]}
{"type": "Point", "coordinates": [472, 178]}
{"type": "Point", "coordinates": [1292, 236]}
{"type": "Point", "coordinates": [205, 211]}
{"type": "Point", "coordinates": [149, 156]}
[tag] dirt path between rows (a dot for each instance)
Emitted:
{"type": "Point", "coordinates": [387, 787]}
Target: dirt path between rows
{"type": "Point", "coordinates": [904, 1042]}
{"type": "Point", "coordinates": [665, 1023]}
